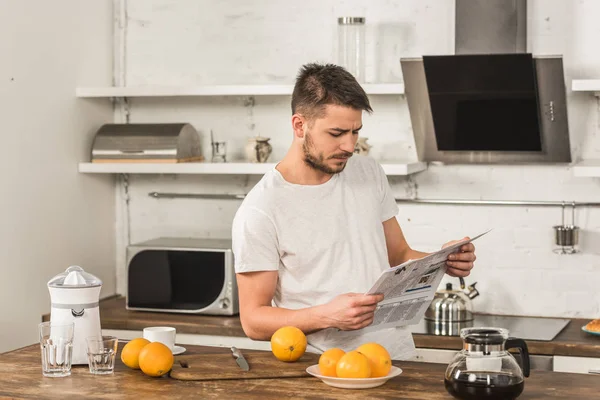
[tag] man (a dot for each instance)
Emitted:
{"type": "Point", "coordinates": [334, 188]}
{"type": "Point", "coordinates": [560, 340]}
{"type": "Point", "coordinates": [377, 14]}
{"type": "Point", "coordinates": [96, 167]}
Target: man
{"type": "Point", "coordinates": [316, 231]}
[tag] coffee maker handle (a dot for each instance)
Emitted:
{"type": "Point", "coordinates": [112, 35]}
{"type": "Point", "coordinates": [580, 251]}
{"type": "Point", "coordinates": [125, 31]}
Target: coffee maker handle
{"type": "Point", "coordinates": [513, 343]}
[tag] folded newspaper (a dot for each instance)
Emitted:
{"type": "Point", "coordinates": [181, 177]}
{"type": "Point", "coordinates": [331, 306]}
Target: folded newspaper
{"type": "Point", "coordinates": [409, 288]}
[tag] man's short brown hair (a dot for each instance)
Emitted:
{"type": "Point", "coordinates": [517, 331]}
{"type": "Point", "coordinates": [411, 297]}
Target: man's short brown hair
{"type": "Point", "coordinates": [320, 84]}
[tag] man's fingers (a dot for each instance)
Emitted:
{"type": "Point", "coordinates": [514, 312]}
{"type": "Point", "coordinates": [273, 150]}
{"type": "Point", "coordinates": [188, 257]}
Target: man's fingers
{"type": "Point", "coordinates": [367, 300]}
{"type": "Point", "coordinates": [462, 265]}
{"type": "Point", "coordinates": [356, 321]}
{"type": "Point", "coordinates": [469, 247]}
{"type": "Point", "coordinates": [469, 257]}
{"type": "Point", "coordinates": [366, 321]}
{"type": "Point", "coordinates": [360, 311]}
{"type": "Point", "coordinates": [458, 273]}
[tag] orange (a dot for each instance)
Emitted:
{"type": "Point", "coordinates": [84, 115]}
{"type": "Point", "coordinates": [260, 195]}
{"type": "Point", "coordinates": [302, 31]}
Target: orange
{"type": "Point", "coordinates": [288, 343]}
{"type": "Point", "coordinates": [156, 359]}
{"type": "Point", "coordinates": [353, 365]}
{"type": "Point", "coordinates": [131, 352]}
{"type": "Point", "coordinates": [329, 360]}
{"type": "Point", "coordinates": [380, 359]}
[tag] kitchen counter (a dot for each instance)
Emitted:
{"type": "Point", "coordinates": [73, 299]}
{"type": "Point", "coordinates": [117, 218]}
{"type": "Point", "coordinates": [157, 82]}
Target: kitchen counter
{"type": "Point", "coordinates": [572, 341]}
{"type": "Point", "coordinates": [21, 376]}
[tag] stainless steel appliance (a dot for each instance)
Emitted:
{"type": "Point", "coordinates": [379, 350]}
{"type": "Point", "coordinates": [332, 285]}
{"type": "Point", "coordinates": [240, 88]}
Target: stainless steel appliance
{"type": "Point", "coordinates": [451, 310]}
{"type": "Point", "coordinates": [490, 102]}
{"type": "Point", "coordinates": [156, 143]}
{"type": "Point", "coordinates": [182, 275]}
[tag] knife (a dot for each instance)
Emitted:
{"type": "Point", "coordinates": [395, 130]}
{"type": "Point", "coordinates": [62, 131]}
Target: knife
{"type": "Point", "coordinates": [239, 359]}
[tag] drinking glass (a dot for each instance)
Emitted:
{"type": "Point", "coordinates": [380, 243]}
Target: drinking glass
{"type": "Point", "coordinates": [56, 345]}
{"type": "Point", "coordinates": [219, 152]}
{"type": "Point", "coordinates": [101, 353]}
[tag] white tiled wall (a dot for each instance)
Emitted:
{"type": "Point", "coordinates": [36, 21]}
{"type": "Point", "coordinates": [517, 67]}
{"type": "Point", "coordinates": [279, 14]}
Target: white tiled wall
{"type": "Point", "coordinates": [266, 41]}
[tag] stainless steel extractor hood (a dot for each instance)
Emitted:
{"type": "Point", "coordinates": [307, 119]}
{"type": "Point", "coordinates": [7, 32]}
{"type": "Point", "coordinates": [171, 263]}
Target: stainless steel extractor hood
{"type": "Point", "coordinates": [490, 102]}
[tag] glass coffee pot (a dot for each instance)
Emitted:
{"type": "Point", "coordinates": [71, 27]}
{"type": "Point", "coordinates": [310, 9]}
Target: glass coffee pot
{"type": "Point", "coordinates": [484, 369]}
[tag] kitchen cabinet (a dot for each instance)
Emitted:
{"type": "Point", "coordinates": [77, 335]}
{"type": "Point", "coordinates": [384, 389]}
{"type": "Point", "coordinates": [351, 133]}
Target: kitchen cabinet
{"type": "Point", "coordinates": [20, 377]}
{"type": "Point", "coordinates": [570, 351]}
{"type": "Point", "coordinates": [580, 365]}
{"type": "Point", "coordinates": [433, 356]}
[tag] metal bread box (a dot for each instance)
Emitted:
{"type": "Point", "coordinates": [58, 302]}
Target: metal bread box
{"type": "Point", "coordinates": [159, 143]}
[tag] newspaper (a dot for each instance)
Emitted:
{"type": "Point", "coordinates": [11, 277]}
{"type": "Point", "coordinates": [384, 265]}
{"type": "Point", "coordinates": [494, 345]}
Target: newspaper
{"type": "Point", "coordinates": [409, 288]}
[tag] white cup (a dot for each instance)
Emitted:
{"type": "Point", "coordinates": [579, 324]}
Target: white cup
{"type": "Point", "coordinates": [162, 334]}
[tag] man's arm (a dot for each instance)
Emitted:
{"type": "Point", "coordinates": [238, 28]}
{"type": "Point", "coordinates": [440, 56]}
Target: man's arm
{"type": "Point", "coordinates": [260, 320]}
{"type": "Point", "coordinates": [398, 249]}
{"type": "Point", "coordinates": [459, 264]}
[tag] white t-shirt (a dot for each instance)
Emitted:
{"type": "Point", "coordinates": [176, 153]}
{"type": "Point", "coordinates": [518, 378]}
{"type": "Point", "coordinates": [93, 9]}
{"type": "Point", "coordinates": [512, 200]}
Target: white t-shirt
{"type": "Point", "coordinates": [324, 240]}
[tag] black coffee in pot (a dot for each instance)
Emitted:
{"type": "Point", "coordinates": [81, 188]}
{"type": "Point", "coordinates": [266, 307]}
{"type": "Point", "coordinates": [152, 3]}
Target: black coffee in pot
{"type": "Point", "coordinates": [486, 386]}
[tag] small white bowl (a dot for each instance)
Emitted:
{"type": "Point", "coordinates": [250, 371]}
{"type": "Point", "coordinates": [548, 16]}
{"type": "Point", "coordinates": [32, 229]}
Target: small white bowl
{"type": "Point", "coordinates": [353, 383]}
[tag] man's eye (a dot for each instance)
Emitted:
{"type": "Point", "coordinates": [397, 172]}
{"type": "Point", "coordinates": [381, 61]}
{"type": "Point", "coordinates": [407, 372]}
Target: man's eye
{"type": "Point", "coordinates": [335, 134]}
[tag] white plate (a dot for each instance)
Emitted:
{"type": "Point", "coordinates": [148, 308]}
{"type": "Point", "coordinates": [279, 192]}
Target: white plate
{"type": "Point", "coordinates": [353, 383]}
{"type": "Point", "coordinates": [178, 350]}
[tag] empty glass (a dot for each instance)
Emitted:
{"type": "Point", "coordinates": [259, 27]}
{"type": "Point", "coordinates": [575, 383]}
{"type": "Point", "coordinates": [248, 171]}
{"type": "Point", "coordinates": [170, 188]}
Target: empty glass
{"type": "Point", "coordinates": [56, 345]}
{"type": "Point", "coordinates": [219, 152]}
{"type": "Point", "coordinates": [101, 353]}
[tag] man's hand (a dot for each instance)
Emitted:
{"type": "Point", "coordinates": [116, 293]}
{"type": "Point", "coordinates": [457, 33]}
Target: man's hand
{"type": "Point", "coordinates": [460, 264]}
{"type": "Point", "coordinates": [351, 310]}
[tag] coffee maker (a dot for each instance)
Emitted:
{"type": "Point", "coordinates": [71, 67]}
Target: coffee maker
{"type": "Point", "coordinates": [74, 296]}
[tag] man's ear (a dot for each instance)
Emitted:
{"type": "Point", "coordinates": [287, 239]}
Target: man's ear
{"type": "Point", "coordinates": [299, 125]}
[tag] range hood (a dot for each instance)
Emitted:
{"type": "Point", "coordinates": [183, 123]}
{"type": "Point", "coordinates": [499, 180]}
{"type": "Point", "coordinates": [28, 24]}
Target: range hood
{"type": "Point", "coordinates": [490, 102]}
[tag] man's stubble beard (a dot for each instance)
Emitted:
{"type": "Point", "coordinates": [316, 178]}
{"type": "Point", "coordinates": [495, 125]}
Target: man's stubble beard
{"type": "Point", "coordinates": [317, 162]}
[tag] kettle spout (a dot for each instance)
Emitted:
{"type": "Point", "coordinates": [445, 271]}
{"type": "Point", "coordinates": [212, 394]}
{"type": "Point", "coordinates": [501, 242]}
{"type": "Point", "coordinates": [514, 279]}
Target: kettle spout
{"type": "Point", "coordinates": [472, 292]}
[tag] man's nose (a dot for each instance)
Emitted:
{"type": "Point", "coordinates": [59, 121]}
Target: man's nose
{"type": "Point", "coordinates": [348, 143]}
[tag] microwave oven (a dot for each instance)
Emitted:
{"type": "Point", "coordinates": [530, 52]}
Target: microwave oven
{"type": "Point", "coordinates": [182, 275]}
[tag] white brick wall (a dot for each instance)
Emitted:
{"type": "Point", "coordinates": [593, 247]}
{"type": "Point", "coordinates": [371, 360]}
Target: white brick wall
{"type": "Point", "coordinates": [206, 42]}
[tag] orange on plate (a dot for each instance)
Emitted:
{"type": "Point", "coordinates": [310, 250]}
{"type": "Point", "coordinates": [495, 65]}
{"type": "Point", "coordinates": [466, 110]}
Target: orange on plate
{"type": "Point", "coordinates": [288, 343]}
{"type": "Point", "coordinates": [381, 362]}
{"type": "Point", "coordinates": [131, 352]}
{"type": "Point", "coordinates": [353, 365]}
{"type": "Point", "coordinates": [156, 359]}
{"type": "Point", "coordinates": [329, 360]}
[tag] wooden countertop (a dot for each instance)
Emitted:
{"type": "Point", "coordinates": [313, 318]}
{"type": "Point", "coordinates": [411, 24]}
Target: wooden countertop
{"type": "Point", "coordinates": [21, 376]}
{"type": "Point", "coordinates": [572, 341]}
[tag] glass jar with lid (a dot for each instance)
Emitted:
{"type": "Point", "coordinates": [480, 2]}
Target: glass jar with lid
{"type": "Point", "coordinates": [351, 45]}
{"type": "Point", "coordinates": [484, 369]}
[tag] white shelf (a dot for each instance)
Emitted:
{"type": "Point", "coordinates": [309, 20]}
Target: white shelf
{"type": "Point", "coordinates": [217, 90]}
{"type": "Point", "coordinates": [404, 169]}
{"type": "Point", "coordinates": [586, 85]}
{"type": "Point", "coordinates": [588, 169]}
{"type": "Point", "coordinates": [216, 168]}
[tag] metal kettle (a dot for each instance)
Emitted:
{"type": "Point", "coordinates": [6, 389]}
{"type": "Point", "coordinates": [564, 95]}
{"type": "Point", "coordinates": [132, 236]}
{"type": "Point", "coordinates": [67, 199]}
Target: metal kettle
{"type": "Point", "coordinates": [450, 306]}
